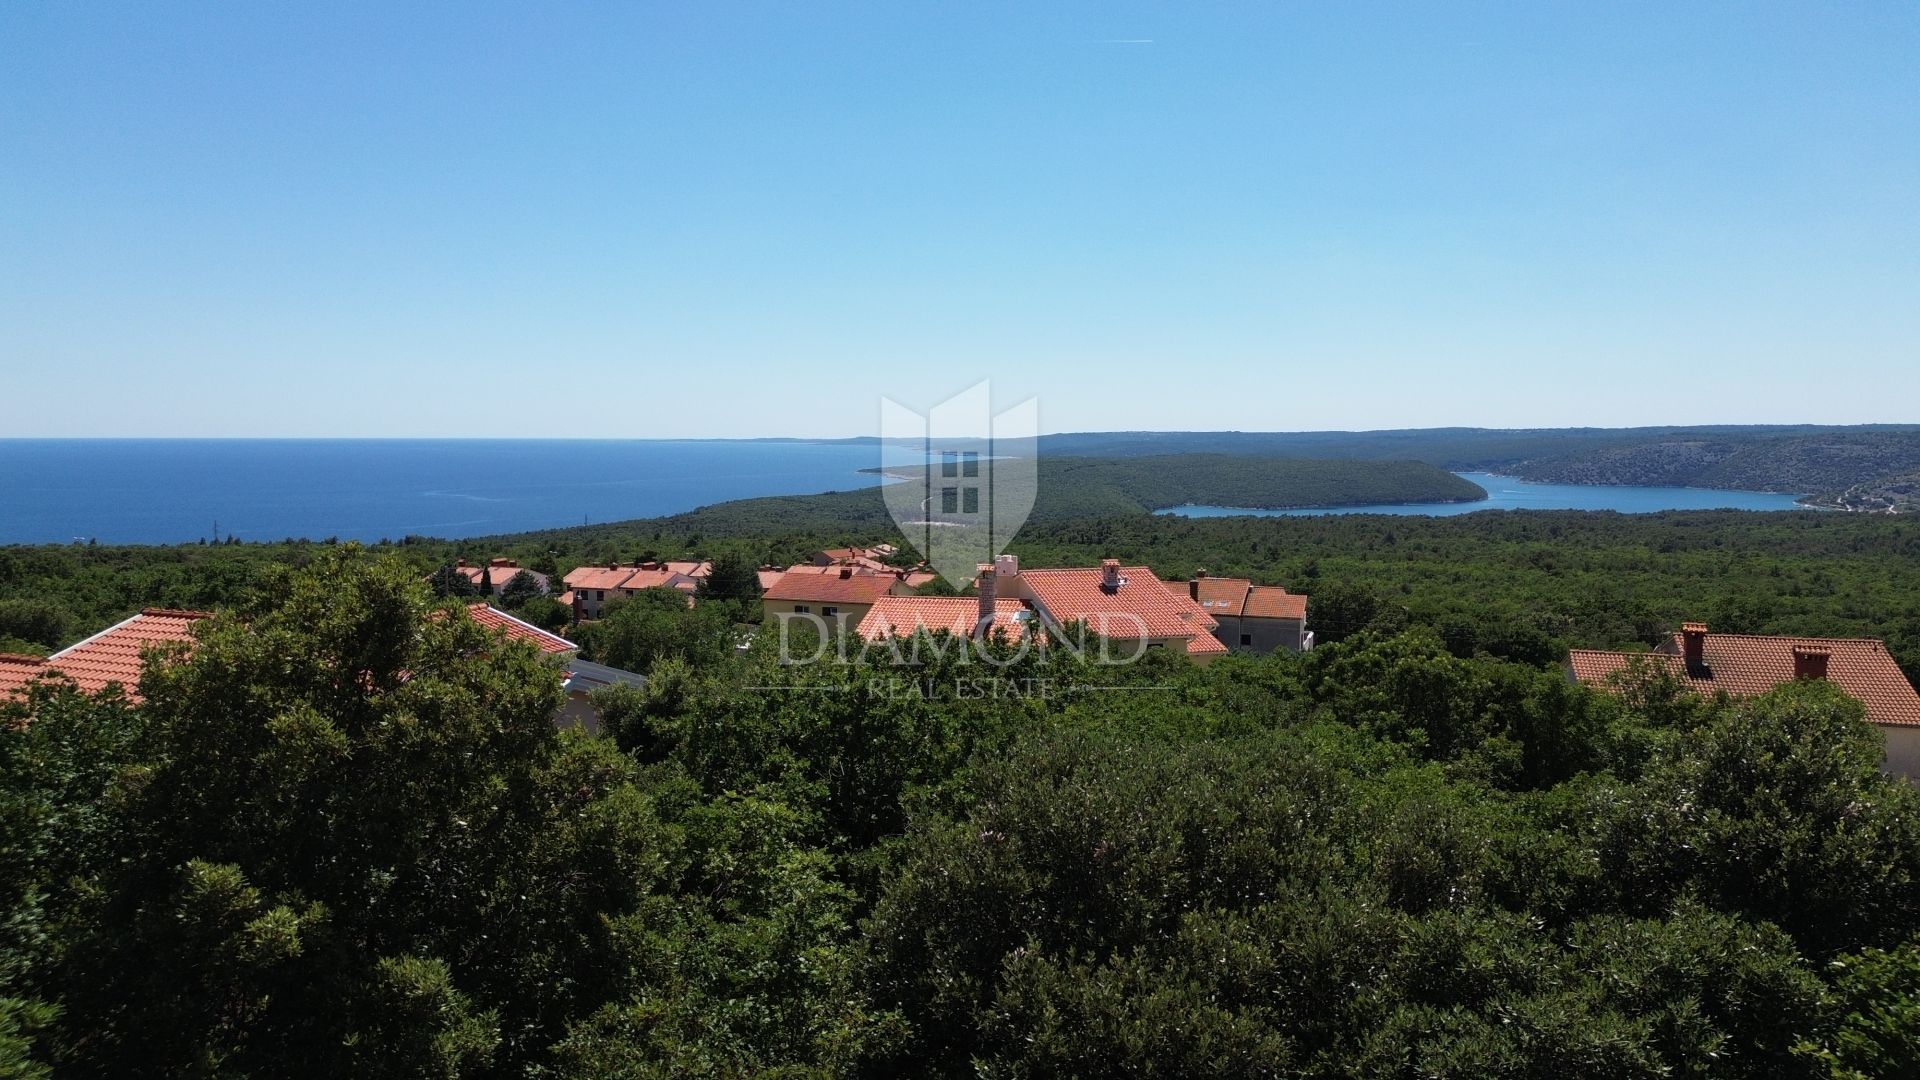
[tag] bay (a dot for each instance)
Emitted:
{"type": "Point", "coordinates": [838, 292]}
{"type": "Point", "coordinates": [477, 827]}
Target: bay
{"type": "Point", "coordinates": [1511, 493]}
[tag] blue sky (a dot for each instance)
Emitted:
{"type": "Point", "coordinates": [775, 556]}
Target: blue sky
{"type": "Point", "coordinates": [711, 220]}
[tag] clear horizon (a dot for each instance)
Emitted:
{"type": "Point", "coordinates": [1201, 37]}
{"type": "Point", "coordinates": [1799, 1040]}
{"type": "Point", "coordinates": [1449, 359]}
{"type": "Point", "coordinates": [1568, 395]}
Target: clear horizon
{"type": "Point", "coordinates": [755, 221]}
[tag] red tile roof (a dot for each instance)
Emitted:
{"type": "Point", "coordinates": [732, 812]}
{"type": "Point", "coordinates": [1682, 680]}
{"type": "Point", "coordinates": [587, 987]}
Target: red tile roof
{"type": "Point", "coordinates": [518, 630]}
{"type": "Point", "coordinates": [954, 614]}
{"type": "Point", "coordinates": [1241, 597]}
{"type": "Point", "coordinates": [807, 585]}
{"type": "Point", "coordinates": [1220, 595]}
{"type": "Point", "coordinates": [632, 578]}
{"type": "Point", "coordinates": [768, 577]}
{"type": "Point", "coordinates": [17, 671]}
{"type": "Point", "coordinates": [658, 579]}
{"type": "Point", "coordinates": [1745, 665]}
{"type": "Point", "coordinates": [598, 577]}
{"type": "Point", "coordinates": [1273, 602]}
{"type": "Point", "coordinates": [1142, 606]}
{"type": "Point", "coordinates": [113, 655]}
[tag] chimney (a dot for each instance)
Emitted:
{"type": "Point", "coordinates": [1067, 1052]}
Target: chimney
{"type": "Point", "coordinates": [460, 563]}
{"type": "Point", "coordinates": [984, 624]}
{"type": "Point", "coordinates": [1110, 573]}
{"type": "Point", "coordinates": [509, 563]}
{"type": "Point", "coordinates": [846, 572]}
{"type": "Point", "coordinates": [1693, 644]}
{"type": "Point", "coordinates": [613, 566]}
{"type": "Point", "coordinates": [1006, 566]}
{"type": "Point", "coordinates": [1810, 661]}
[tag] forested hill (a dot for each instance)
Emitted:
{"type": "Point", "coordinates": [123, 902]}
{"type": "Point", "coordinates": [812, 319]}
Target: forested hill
{"type": "Point", "coordinates": [1090, 487]}
{"type": "Point", "coordinates": [1801, 458]}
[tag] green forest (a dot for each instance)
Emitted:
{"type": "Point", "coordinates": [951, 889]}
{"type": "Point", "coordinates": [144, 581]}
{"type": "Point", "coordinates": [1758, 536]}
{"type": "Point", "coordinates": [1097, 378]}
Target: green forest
{"type": "Point", "coordinates": [1861, 466]}
{"type": "Point", "coordinates": [1070, 487]}
{"type": "Point", "coordinates": [1516, 585]}
{"type": "Point", "coordinates": [344, 837]}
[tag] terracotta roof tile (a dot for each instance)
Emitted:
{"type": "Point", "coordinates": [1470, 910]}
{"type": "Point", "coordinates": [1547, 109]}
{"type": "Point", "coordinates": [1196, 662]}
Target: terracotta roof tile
{"type": "Point", "coordinates": [113, 655]}
{"type": "Point", "coordinates": [1745, 665]}
{"type": "Point", "coordinates": [657, 579]}
{"type": "Point", "coordinates": [1142, 606]}
{"type": "Point", "coordinates": [17, 671]}
{"type": "Point", "coordinates": [808, 585]}
{"type": "Point", "coordinates": [518, 630]}
{"type": "Point", "coordinates": [598, 577]}
{"type": "Point", "coordinates": [954, 614]}
{"type": "Point", "coordinates": [1220, 596]}
{"type": "Point", "coordinates": [1273, 602]}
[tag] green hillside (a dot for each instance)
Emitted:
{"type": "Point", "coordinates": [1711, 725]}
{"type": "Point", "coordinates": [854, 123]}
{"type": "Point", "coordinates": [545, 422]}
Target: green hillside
{"type": "Point", "coordinates": [1093, 487]}
{"type": "Point", "coordinates": [1796, 458]}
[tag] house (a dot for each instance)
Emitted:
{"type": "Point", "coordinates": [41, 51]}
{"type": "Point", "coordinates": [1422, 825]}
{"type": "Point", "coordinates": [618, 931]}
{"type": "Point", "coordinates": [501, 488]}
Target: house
{"type": "Point", "coordinates": [1257, 618]}
{"type": "Point", "coordinates": [1748, 665]}
{"type": "Point", "coordinates": [1126, 604]}
{"type": "Point", "coordinates": [590, 587]}
{"type": "Point", "coordinates": [579, 678]}
{"type": "Point", "coordinates": [114, 656]}
{"type": "Point", "coordinates": [497, 572]}
{"type": "Point", "coordinates": [872, 559]}
{"type": "Point", "coordinates": [842, 595]}
{"type": "Point", "coordinates": [902, 616]}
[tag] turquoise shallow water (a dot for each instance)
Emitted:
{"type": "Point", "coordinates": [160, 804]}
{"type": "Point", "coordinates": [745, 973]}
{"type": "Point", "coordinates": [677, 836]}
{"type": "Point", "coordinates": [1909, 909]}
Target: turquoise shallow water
{"type": "Point", "coordinates": [1507, 493]}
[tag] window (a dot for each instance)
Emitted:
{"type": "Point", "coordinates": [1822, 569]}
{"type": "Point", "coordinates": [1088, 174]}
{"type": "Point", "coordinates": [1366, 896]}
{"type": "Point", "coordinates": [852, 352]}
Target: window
{"type": "Point", "coordinates": [1246, 639]}
{"type": "Point", "coordinates": [970, 501]}
{"type": "Point", "coordinates": [970, 463]}
{"type": "Point", "coordinates": [949, 463]}
{"type": "Point", "coordinates": [599, 594]}
{"type": "Point", "coordinates": [802, 609]}
{"type": "Point", "coordinates": [949, 500]}
{"type": "Point", "coordinates": [829, 612]}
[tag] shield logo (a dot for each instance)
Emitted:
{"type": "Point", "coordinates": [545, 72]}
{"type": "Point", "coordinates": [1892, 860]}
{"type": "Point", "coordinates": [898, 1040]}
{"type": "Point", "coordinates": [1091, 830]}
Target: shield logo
{"type": "Point", "coordinates": [965, 478]}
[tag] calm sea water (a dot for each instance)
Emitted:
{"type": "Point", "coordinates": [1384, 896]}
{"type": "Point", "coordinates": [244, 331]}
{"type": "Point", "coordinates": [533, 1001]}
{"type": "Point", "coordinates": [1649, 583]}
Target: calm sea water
{"type": "Point", "coordinates": [173, 490]}
{"type": "Point", "coordinates": [154, 491]}
{"type": "Point", "coordinates": [1507, 493]}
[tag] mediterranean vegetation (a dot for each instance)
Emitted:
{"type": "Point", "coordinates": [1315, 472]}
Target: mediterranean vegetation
{"type": "Point", "coordinates": [1839, 466]}
{"type": "Point", "coordinates": [342, 836]}
{"type": "Point", "coordinates": [1070, 487]}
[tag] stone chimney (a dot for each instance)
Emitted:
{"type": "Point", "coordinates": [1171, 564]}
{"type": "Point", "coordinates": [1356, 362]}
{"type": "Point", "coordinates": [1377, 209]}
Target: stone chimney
{"type": "Point", "coordinates": [1193, 587]}
{"type": "Point", "coordinates": [1810, 661]}
{"type": "Point", "coordinates": [1693, 644]}
{"type": "Point", "coordinates": [1110, 574]}
{"type": "Point", "coordinates": [983, 624]}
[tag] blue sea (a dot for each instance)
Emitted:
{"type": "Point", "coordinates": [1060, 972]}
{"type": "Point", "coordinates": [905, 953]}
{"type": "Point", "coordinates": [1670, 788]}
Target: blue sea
{"type": "Point", "coordinates": [1508, 493]}
{"type": "Point", "coordinates": [163, 491]}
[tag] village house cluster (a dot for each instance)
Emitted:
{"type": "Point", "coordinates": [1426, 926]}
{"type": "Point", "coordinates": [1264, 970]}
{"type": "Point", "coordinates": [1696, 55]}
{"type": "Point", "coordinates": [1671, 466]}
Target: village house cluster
{"type": "Point", "coordinates": [859, 591]}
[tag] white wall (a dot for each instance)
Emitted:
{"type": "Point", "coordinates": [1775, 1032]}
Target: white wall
{"type": "Point", "coordinates": [1903, 751]}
